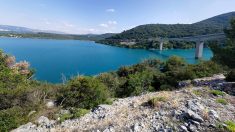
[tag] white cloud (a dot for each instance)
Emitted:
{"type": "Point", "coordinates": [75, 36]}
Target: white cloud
{"type": "Point", "coordinates": [110, 10]}
{"type": "Point", "coordinates": [104, 25]}
{"type": "Point", "coordinates": [112, 22]}
{"type": "Point", "coordinates": [68, 24]}
{"type": "Point", "coordinates": [109, 24]}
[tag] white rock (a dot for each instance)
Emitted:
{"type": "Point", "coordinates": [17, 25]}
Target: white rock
{"type": "Point", "coordinates": [50, 104]}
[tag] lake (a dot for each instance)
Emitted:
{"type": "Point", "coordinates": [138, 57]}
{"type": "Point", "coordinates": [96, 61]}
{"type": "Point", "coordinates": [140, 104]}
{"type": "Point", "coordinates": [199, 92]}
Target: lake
{"type": "Point", "coordinates": [53, 58]}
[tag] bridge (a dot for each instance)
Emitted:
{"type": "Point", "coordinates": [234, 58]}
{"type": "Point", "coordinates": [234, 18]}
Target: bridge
{"type": "Point", "coordinates": [200, 39]}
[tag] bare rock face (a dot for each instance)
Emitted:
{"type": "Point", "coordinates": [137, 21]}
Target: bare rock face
{"type": "Point", "coordinates": [182, 110]}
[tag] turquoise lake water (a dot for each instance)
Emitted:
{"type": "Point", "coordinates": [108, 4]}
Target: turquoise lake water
{"type": "Point", "coordinates": [52, 58]}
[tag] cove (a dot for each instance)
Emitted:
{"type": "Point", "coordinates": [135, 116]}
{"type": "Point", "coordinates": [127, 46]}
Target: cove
{"type": "Point", "coordinates": [53, 58]}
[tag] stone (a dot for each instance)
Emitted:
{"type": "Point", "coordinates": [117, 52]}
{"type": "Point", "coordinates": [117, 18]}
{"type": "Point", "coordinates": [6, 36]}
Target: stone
{"type": "Point", "coordinates": [45, 122]}
{"type": "Point", "coordinates": [63, 112]}
{"type": "Point", "coordinates": [50, 104]}
{"type": "Point", "coordinates": [25, 128]}
{"type": "Point", "coordinates": [42, 120]}
{"type": "Point", "coordinates": [136, 128]}
{"type": "Point", "coordinates": [192, 128]}
{"type": "Point", "coordinates": [183, 128]}
{"type": "Point", "coordinates": [109, 129]}
{"type": "Point", "coordinates": [192, 115]}
{"type": "Point", "coordinates": [214, 114]}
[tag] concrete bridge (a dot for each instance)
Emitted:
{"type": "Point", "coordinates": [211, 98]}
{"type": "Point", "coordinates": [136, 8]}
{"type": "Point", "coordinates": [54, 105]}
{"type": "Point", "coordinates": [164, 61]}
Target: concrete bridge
{"type": "Point", "coordinates": [200, 39]}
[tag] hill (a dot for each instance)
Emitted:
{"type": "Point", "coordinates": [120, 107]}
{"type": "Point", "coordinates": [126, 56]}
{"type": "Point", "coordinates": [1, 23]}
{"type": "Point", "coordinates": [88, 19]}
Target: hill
{"type": "Point", "coordinates": [219, 21]}
{"type": "Point", "coordinates": [28, 33]}
{"type": "Point", "coordinates": [138, 37]}
{"type": "Point", "coordinates": [180, 110]}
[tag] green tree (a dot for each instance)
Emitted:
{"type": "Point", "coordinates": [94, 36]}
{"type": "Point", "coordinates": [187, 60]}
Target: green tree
{"type": "Point", "coordinates": [83, 92]}
{"type": "Point", "coordinates": [226, 55]}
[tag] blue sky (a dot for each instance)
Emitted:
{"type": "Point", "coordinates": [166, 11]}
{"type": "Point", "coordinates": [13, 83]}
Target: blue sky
{"type": "Point", "coordinates": [101, 16]}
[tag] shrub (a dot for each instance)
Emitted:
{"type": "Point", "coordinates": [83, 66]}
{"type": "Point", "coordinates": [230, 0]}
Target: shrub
{"type": "Point", "coordinates": [174, 63]}
{"type": "Point", "coordinates": [77, 113]}
{"type": "Point", "coordinates": [155, 102]}
{"type": "Point", "coordinates": [137, 84]}
{"type": "Point", "coordinates": [205, 69]}
{"type": "Point", "coordinates": [112, 82]}
{"type": "Point", "coordinates": [231, 76]}
{"type": "Point", "coordinates": [12, 118]}
{"type": "Point", "coordinates": [222, 101]}
{"type": "Point", "coordinates": [216, 92]}
{"type": "Point", "coordinates": [65, 117]}
{"type": "Point", "coordinates": [83, 92]}
{"type": "Point", "coordinates": [197, 92]}
{"type": "Point", "coordinates": [230, 126]}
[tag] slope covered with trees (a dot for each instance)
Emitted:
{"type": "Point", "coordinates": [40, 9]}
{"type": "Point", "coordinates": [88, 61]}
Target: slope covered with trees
{"type": "Point", "coordinates": [141, 35]}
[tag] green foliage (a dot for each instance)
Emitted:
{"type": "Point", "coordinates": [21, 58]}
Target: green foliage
{"type": "Point", "coordinates": [144, 35]}
{"type": "Point", "coordinates": [225, 55]}
{"type": "Point", "coordinates": [197, 92]}
{"type": "Point", "coordinates": [83, 92]}
{"type": "Point", "coordinates": [77, 113]}
{"type": "Point", "coordinates": [137, 84]}
{"type": "Point", "coordinates": [57, 36]}
{"type": "Point", "coordinates": [12, 118]}
{"type": "Point", "coordinates": [111, 81]}
{"type": "Point", "coordinates": [174, 63]}
{"type": "Point", "coordinates": [65, 117]}
{"type": "Point", "coordinates": [230, 126]}
{"type": "Point", "coordinates": [222, 101]}
{"type": "Point", "coordinates": [217, 92]}
{"type": "Point", "coordinates": [205, 68]}
{"type": "Point", "coordinates": [231, 76]}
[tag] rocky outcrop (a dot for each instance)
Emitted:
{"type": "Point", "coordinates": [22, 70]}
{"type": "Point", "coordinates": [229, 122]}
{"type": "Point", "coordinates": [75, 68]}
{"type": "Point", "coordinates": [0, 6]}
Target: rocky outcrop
{"type": "Point", "coordinates": [182, 110]}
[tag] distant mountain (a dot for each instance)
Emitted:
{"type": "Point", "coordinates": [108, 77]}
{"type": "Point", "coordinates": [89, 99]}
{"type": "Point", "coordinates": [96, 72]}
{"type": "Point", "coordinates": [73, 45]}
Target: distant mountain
{"type": "Point", "coordinates": [8, 28]}
{"type": "Point", "coordinates": [17, 29]}
{"type": "Point", "coordinates": [138, 37]}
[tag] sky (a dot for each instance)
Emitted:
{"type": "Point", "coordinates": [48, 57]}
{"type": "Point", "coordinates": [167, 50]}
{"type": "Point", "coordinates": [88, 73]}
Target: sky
{"type": "Point", "coordinates": [106, 16]}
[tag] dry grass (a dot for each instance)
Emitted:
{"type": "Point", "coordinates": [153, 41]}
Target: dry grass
{"type": "Point", "coordinates": [157, 101]}
{"type": "Point", "coordinates": [205, 114]}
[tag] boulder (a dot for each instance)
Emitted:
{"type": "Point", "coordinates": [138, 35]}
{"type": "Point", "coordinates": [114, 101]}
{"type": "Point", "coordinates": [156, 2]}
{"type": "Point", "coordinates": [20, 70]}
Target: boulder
{"type": "Point", "coordinates": [50, 104]}
{"type": "Point", "coordinates": [45, 122]}
{"type": "Point", "coordinates": [213, 114]}
{"type": "Point", "coordinates": [29, 127]}
{"type": "Point", "coordinates": [192, 115]}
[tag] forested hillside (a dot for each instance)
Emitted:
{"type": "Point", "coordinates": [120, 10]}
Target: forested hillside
{"type": "Point", "coordinates": [140, 35]}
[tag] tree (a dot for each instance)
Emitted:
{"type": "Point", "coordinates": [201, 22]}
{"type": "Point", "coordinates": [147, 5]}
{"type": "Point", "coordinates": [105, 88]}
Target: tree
{"type": "Point", "coordinates": [83, 92]}
{"type": "Point", "coordinates": [226, 55]}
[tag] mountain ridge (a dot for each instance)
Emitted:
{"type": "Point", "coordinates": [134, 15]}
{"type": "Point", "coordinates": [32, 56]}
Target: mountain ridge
{"type": "Point", "coordinates": [138, 37]}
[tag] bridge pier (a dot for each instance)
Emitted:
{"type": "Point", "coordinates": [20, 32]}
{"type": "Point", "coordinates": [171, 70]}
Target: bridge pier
{"type": "Point", "coordinates": [199, 49]}
{"type": "Point", "coordinates": [161, 45]}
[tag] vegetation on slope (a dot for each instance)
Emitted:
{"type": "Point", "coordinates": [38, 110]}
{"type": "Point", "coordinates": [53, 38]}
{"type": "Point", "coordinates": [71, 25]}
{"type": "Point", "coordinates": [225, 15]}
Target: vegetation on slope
{"type": "Point", "coordinates": [41, 35]}
{"type": "Point", "coordinates": [142, 35]}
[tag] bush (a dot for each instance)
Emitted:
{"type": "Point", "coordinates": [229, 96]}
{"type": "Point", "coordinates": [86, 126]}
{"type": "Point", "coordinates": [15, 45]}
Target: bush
{"type": "Point", "coordinates": [137, 84]}
{"type": "Point", "coordinates": [216, 92]}
{"type": "Point", "coordinates": [222, 101]}
{"type": "Point", "coordinates": [174, 63]}
{"type": "Point", "coordinates": [12, 118]}
{"type": "Point", "coordinates": [231, 76]}
{"type": "Point", "coordinates": [111, 81]}
{"type": "Point", "coordinates": [205, 69]}
{"type": "Point", "coordinates": [230, 126]}
{"type": "Point", "coordinates": [77, 113]}
{"type": "Point", "coordinates": [83, 92]}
